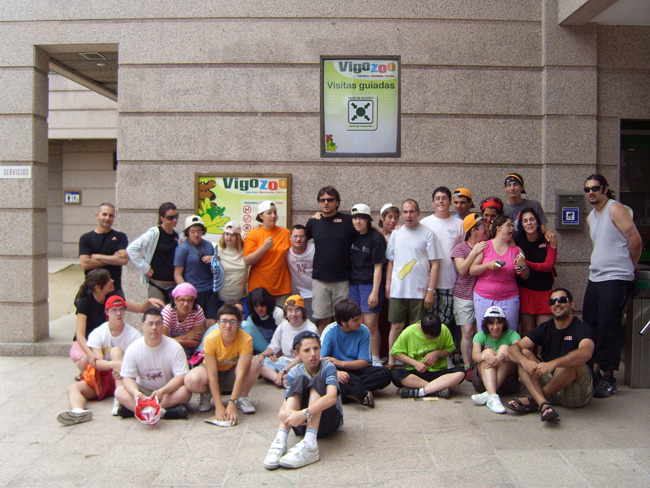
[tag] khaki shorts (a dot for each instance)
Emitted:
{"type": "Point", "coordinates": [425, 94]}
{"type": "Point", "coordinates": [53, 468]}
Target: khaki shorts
{"type": "Point", "coordinates": [402, 309]}
{"type": "Point", "coordinates": [464, 311]}
{"type": "Point", "coordinates": [577, 394]}
{"type": "Point", "coordinates": [325, 295]}
{"type": "Point", "coordinates": [226, 379]}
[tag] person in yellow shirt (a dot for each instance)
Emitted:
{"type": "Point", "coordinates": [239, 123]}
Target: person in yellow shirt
{"type": "Point", "coordinates": [228, 367]}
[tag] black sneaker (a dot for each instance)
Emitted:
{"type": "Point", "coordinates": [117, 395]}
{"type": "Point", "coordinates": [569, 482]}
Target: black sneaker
{"type": "Point", "coordinates": [406, 392]}
{"type": "Point", "coordinates": [176, 413]}
{"type": "Point", "coordinates": [124, 412]}
{"type": "Point", "coordinates": [606, 387]}
{"type": "Point", "coordinates": [369, 399]}
{"type": "Point", "coordinates": [444, 393]}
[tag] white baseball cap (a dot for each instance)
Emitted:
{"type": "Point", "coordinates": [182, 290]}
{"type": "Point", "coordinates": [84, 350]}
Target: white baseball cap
{"type": "Point", "coordinates": [232, 227]}
{"type": "Point", "coordinates": [264, 206]}
{"type": "Point", "coordinates": [361, 209]}
{"type": "Point", "coordinates": [494, 312]}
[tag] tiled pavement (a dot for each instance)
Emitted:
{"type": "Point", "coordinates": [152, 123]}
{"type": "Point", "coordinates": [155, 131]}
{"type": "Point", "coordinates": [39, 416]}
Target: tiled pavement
{"type": "Point", "coordinates": [399, 443]}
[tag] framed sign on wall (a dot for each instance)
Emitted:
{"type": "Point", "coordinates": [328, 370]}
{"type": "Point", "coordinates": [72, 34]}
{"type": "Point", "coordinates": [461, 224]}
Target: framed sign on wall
{"type": "Point", "coordinates": [360, 106]}
{"type": "Point", "coordinates": [220, 198]}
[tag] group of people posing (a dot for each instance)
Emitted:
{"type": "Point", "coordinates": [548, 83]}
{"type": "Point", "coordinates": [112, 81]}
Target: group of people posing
{"type": "Point", "coordinates": [312, 297]}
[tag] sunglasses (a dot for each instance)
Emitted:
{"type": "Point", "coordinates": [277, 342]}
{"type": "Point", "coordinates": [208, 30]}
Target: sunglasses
{"type": "Point", "coordinates": [594, 189]}
{"type": "Point", "coordinates": [171, 217]}
{"type": "Point", "coordinates": [553, 301]}
{"type": "Point", "coordinates": [326, 200]}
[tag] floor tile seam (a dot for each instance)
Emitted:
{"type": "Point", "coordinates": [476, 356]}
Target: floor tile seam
{"type": "Point", "coordinates": [430, 450]}
{"type": "Point", "coordinates": [234, 457]}
{"type": "Point", "coordinates": [494, 449]}
{"type": "Point", "coordinates": [633, 461]}
{"type": "Point", "coordinates": [573, 468]}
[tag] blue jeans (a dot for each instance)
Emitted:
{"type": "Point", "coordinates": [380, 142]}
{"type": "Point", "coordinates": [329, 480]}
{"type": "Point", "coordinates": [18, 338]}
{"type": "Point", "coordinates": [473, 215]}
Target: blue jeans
{"type": "Point", "coordinates": [602, 310]}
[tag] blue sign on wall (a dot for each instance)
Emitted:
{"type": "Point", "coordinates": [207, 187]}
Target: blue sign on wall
{"type": "Point", "coordinates": [570, 215]}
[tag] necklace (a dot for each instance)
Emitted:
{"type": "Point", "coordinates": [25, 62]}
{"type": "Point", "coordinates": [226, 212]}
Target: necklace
{"type": "Point", "coordinates": [601, 207]}
{"type": "Point", "coordinates": [199, 254]}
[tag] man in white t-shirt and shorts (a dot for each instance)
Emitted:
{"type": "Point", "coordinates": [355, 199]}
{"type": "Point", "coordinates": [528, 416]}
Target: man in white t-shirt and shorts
{"type": "Point", "coordinates": [449, 231]}
{"type": "Point", "coordinates": [300, 260]}
{"type": "Point", "coordinates": [413, 256]}
{"type": "Point", "coordinates": [154, 366]}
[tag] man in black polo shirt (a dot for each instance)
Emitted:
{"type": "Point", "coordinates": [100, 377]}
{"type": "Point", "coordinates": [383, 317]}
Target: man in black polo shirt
{"type": "Point", "coordinates": [332, 235]}
{"type": "Point", "coordinates": [562, 377]}
{"type": "Point", "coordinates": [104, 247]}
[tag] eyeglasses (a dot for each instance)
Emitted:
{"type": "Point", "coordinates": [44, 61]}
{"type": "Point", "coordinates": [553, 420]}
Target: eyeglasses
{"type": "Point", "coordinates": [117, 310]}
{"type": "Point", "coordinates": [171, 217]}
{"type": "Point", "coordinates": [553, 301]}
{"type": "Point", "coordinates": [184, 300]}
{"type": "Point", "coordinates": [228, 322]}
{"type": "Point", "coordinates": [326, 200]}
{"type": "Point", "coordinates": [593, 189]}
{"type": "Point", "coordinates": [299, 237]}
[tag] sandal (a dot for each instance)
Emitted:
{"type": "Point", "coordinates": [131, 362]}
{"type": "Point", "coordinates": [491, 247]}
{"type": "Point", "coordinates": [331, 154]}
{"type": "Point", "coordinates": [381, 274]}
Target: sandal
{"type": "Point", "coordinates": [548, 412]}
{"type": "Point", "coordinates": [516, 405]}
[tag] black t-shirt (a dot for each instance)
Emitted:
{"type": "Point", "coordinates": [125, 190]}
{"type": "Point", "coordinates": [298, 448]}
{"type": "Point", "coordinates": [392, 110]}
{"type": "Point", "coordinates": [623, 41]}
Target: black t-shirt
{"type": "Point", "coordinates": [162, 261]}
{"type": "Point", "coordinates": [332, 240]}
{"type": "Point", "coordinates": [108, 244]}
{"type": "Point", "coordinates": [556, 343]}
{"type": "Point", "coordinates": [93, 310]}
{"type": "Point", "coordinates": [536, 253]}
{"type": "Point", "coordinates": [367, 250]}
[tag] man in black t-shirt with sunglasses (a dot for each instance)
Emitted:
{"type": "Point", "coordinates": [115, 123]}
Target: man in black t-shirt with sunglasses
{"type": "Point", "coordinates": [562, 377]}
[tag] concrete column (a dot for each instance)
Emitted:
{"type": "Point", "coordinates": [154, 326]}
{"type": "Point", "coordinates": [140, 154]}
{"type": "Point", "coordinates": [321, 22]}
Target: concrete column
{"type": "Point", "coordinates": [569, 133]}
{"type": "Point", "coordinates": [23, 202]}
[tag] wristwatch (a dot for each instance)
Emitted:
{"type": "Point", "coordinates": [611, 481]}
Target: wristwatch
{"type": "Point", "coordinates": [306, 413]}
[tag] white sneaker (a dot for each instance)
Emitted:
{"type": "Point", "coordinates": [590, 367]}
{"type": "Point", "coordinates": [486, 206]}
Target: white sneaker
{"type": "Point", "coordinates": [299, 455]}
{"type": "Point", "coordinates": [481, 398]}
{"type": "Point", "coordinates": [204, 402]}
{"type": "Point", "coordinates": [276, 451]}
{"type": "Point", "coordinates": [70, 417]}
{"type": "Point", "coordinates": [377, 362]}
{"type": "Point", "coordinates": [244, 404]}
{"type": "Point", "coordinates": [116, 407]}
{"type": "Point", "coordinates": [494, 404]}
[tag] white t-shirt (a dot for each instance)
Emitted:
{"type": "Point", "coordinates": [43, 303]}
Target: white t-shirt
{"type": "Point", "coordinates": [101, 338]}
{"type": "Point", "coordinates": [154, 367]}
{"type": "Point", "coordinates": [411, 250]}
{"type": "Point", "coordinates": [283, 336]}
{"type": "Point", "coordinates": [449, 232]}
{"type": "Point", "coordinates": [235, 274]}
{"type": "Point", "coordinates": [300, 267]}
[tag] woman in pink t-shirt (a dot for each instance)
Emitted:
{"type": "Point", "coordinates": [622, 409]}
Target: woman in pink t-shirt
{"type": "Point", "coordinates": [497, 269]}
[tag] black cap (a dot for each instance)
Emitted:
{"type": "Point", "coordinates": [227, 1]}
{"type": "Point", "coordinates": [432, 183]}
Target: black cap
{"type": "Point", "coordinates": [304, 334]}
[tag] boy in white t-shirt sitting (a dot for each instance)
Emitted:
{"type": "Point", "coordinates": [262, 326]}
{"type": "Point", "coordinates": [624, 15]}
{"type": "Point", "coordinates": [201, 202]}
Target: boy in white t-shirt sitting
{"type": "Point", "coordinates": [154, 366]}
{"type": "Point", "coordinates": [107, 343]}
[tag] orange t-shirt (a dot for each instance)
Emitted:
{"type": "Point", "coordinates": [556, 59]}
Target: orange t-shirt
{"type": "Point", "coordinates": [271, 271]}
{"type": "Point", "coordinates": [227, 357]}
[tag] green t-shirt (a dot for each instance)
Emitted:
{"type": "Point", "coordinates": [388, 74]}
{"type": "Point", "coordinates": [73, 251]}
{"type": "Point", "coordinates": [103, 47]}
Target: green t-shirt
{"type": "Point", "coordinates": [509, 337]}
{"type": "Point", "coordinates": [414, 344]}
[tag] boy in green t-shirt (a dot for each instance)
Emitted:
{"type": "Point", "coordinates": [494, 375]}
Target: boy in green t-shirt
{"type": "Point", "coordinates": [424, 347]}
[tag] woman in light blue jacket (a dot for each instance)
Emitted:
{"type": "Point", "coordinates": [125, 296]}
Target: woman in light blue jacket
{"type": "Point", "coordinates": [153, 253]}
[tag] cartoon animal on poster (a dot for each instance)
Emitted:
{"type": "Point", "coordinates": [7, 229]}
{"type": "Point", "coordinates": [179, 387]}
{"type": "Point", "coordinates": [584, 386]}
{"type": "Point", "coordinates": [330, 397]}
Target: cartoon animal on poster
{"type": "Point", "coordinates": [209, 211]}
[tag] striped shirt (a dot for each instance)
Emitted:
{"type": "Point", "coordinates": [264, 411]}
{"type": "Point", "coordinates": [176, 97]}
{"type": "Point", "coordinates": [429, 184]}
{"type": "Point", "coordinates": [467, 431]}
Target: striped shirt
{"type": "Point", "coordinates": [464, 287]}
{"type": "Point", "coordinates": [170, 320]}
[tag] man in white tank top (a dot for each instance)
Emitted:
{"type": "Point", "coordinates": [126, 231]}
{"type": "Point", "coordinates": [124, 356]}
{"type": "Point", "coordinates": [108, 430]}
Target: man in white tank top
{"type": "Point", "coordinates": [617, 249]}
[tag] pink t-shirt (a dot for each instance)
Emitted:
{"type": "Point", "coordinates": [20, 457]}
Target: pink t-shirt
{"type": "Point", "coordinates": [502, 283]}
